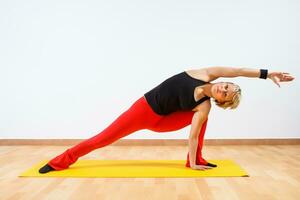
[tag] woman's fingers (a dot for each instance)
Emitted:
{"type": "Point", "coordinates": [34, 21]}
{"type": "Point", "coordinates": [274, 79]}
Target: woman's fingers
{"type": "Point", "coordinates": [277, 83]}
{"type": "Point", "coordinates": [203, 167]}
{"type": "Point", "coordinates": [207, 167]}
{"type": "Point", "coordinates": [275, 79]}
{"type": "Point", "coordinates": [278, 77]}
{"type": "Point", "coordinates": [281, 77]}
{"type": "Point", "coordinates": [286, 78]}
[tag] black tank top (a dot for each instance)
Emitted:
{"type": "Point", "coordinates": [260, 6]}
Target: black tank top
{"type": "Point", "coordinates": [174, 94]}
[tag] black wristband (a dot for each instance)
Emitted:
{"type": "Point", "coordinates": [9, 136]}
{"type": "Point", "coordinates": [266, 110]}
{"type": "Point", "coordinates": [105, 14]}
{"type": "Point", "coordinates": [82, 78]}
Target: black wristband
{"type": "Point", "coordinates": [263, 73]}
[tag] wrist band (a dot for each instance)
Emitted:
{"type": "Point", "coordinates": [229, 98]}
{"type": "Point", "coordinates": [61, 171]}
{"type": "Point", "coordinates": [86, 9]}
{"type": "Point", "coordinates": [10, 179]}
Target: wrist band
{"type": "Point", "coordinates": [263, 73]}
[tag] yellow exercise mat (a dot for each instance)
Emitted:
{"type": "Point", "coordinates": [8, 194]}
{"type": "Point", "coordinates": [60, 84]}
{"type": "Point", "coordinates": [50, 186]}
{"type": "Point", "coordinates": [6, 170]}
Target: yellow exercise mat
{"type": "Point", "coordinates": [138, 168]}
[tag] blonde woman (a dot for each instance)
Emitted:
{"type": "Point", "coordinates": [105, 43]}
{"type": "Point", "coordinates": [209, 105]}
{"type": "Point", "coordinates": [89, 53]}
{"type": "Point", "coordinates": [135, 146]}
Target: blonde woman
{"type": "Point", "coordinates": [181, 100]}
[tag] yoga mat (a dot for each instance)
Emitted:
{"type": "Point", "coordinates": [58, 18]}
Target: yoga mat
{"type": "Point", "coordinates": [138, 168]}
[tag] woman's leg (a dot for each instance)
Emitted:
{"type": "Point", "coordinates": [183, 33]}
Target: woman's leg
{"type": "Point", "coordinates": [137, 117]}
{"type": "Point", "coordinates": [178, 120]}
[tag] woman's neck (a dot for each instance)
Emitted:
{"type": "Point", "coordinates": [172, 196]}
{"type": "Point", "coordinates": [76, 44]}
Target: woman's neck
{"type": "Point", "coordinates": [207, 89]}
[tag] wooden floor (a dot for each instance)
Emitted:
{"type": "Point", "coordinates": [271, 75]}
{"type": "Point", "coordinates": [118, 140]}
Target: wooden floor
{"type": "Point", "coordinates": [274, 174]}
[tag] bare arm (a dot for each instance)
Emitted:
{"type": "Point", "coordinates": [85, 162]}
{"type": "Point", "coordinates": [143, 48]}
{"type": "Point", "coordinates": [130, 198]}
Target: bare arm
{"type": "Point", "coordinates": [217, 72]}
{"type": "Point", "coordinates": [197, 121]}
{"type": "Point", "coordinates": [230, 72]}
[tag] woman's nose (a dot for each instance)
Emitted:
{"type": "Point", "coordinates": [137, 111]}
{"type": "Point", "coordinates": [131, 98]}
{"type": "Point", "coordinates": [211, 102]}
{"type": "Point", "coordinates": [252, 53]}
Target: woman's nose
{"type": "Point", "coordinates": [223, 88]}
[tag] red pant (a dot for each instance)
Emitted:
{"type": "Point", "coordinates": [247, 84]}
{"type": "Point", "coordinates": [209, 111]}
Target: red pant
{"type": "Point", "coordinates": [139, 116]}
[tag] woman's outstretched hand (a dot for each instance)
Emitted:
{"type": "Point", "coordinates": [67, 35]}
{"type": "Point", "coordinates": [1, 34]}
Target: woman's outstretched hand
{"type": "Point", "coordinates": [277, 77]}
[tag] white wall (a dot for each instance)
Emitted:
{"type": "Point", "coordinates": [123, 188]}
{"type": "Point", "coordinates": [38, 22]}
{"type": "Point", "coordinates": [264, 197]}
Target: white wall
{"type": "Point", "coordinates": [69, 68]}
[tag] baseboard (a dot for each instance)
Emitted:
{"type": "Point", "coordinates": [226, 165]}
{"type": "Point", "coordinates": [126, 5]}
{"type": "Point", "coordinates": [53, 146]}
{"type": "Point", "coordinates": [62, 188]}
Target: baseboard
{"type": "Point", "coordinates": [152, 142]}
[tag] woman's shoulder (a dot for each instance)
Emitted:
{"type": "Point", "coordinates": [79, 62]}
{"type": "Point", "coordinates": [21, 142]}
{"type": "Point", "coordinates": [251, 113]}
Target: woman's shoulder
{"type": "Point", "coordinates": [198, 74]}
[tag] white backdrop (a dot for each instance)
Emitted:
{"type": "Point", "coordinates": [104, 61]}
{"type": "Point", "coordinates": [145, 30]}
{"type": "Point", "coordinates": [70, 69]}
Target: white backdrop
{"type": "Point", "coordinates": [69, 68]}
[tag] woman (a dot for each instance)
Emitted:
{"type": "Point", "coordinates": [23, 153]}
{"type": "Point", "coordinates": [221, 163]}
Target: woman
{"type": "Point", "coordinates": [179, 101]}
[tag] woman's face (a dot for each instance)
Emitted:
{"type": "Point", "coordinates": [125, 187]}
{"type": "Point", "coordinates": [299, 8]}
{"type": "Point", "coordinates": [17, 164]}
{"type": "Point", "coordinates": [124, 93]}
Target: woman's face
{"type": "Point", "coordinates": [222, 91]}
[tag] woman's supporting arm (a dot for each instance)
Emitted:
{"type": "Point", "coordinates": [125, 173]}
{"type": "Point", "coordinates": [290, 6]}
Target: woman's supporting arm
{"type": "Point", "coordinates": [193, 143]}
{"type": "Point", "coordinates": [196, 124]}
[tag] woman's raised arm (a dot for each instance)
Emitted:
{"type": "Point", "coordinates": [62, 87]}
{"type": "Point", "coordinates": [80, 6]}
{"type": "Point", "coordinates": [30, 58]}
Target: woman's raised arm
{"type": "Point", "coordinates": [230, 72]}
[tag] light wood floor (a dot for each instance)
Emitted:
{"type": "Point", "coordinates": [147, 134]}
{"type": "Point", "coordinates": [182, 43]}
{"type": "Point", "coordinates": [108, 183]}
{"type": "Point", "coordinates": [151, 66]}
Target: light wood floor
{"type": "Point", "coordinates": [274, 174]}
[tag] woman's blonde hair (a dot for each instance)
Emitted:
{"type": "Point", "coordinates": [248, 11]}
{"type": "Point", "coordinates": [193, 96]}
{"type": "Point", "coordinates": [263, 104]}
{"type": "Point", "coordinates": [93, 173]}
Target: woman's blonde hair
{"type": "Point", "coordinates": [235, 101]}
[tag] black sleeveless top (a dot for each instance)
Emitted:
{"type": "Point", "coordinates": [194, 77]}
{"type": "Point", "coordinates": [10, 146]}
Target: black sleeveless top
{"type": "Point", "coordinates": [174, 94]}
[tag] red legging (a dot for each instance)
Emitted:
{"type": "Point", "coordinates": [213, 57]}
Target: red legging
{"type": "Point", "coordinates": [139, 116]}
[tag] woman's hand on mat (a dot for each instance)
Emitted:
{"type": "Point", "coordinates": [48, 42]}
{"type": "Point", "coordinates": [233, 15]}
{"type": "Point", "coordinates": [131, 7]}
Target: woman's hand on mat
{"type": "Point", "coordinates": [277, 77]}
{"type": "Point", "coordinates": [201, 167]}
